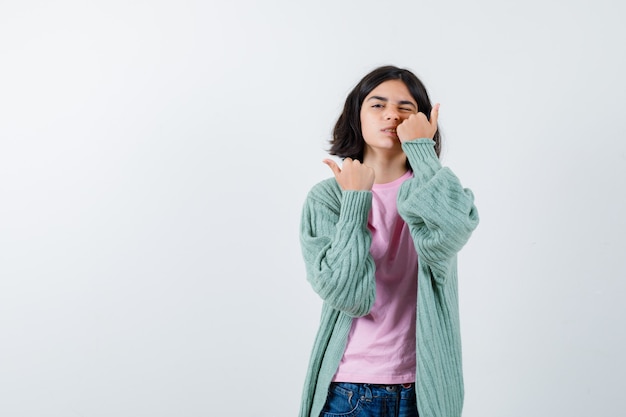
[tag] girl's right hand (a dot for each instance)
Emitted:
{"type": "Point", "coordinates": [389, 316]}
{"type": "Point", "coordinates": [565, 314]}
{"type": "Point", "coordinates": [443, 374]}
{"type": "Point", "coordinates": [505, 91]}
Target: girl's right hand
{"type": "Point", "coordinates": [352, 175]}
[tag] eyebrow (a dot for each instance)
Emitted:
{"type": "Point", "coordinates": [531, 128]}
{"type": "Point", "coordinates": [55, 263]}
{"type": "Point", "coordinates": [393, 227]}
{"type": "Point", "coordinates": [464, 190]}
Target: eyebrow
{"type": "Point", "coordinates": [402, 102]}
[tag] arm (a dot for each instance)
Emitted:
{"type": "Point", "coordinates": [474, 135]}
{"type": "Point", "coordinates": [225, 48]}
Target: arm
{"type": "Point", "coordinates": [335, 245]}
{"type": "Point", "coordinates": [439, 211]}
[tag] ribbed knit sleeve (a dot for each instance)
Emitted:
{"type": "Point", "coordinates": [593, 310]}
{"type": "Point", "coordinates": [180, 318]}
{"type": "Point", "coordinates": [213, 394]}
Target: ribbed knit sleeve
{"type": "Point", "coordinates": [439, 211]}
{"type": "Point", "coordinates": [335, 244]}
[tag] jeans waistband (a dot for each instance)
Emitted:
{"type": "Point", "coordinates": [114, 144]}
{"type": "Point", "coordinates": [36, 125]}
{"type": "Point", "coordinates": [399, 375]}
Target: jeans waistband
{"type": "Point", "coordinates": [387, 386]}
{"type": "Point", "coordinates": [375, 390]}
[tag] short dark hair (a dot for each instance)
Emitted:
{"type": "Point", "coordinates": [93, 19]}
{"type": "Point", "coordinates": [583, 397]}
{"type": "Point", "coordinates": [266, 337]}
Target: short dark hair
{"type": "Point", "coordinates": [347, 140]}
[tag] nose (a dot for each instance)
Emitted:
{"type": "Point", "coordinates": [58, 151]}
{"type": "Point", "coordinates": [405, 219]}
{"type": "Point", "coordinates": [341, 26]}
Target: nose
{"type": "Point", "coordinates": [391, 114]}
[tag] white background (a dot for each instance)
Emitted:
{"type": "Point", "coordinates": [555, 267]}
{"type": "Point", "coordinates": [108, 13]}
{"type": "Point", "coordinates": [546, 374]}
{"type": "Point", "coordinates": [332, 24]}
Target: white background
{"type": "Point", "coordinates": [155, 155]}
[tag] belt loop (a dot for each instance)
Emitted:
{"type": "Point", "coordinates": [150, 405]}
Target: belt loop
{"type": "Point", "coordinates": [367, 392]}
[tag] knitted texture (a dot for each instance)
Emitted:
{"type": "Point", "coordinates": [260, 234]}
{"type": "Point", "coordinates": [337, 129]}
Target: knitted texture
{"type": "Point", "coordinates": [335, 244]}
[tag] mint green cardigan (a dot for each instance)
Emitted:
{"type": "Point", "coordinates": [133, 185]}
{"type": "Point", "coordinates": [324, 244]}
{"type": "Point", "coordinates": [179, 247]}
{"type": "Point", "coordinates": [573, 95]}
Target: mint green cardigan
{"type": "Point", "coordinates": [335, 244]}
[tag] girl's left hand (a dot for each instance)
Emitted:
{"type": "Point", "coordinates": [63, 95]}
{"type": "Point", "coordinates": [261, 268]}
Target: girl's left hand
{"type": "Point", "coordinates": [417, 126]}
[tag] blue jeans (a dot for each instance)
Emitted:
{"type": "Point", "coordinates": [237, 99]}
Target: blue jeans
{"type": "Point", "coordinates": [369, 400]}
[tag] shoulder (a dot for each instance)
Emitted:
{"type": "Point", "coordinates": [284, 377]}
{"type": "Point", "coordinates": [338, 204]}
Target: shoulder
{"type": "Point", "coordinates": [326, 192]}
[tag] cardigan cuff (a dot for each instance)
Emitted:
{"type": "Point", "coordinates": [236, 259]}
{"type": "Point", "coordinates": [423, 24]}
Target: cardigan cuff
{"type": "Point", "coordinates": [422, 157]}
{"type": "Point", "coordinates": [355, 206]}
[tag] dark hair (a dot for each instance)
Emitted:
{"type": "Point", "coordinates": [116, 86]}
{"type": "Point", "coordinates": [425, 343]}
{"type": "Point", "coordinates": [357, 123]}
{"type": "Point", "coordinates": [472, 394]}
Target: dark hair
{"type": "Point", "coordinates": [347, 141]}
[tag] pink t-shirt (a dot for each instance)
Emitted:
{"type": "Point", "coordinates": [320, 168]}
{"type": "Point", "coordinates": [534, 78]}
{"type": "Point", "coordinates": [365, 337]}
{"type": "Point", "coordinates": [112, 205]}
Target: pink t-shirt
{"type": "Point", "coordinates": [381, 345]}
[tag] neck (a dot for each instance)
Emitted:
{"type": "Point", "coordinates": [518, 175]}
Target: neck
{"type": "Point", "coordinates": [387, 168]}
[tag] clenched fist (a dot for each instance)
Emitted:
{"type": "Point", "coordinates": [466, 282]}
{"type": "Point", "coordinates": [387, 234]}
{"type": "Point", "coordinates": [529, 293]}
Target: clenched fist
{"type": "Point", "coordinates": [417, 126]}
{"type": "Point", "coordinates": [352, 175]}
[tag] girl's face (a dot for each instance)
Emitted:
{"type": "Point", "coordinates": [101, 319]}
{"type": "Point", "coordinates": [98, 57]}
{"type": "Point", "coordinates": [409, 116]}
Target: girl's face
{"type": "Point", "coordinates": [384, 108]}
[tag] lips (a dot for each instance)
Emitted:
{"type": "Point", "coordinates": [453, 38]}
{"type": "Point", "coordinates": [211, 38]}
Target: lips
{"type": "Point", "coordinates": [390, 129]}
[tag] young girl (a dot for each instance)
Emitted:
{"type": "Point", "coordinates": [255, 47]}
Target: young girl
{"type": "Point", "coordinates": [379, 242]}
